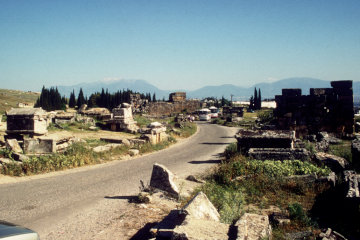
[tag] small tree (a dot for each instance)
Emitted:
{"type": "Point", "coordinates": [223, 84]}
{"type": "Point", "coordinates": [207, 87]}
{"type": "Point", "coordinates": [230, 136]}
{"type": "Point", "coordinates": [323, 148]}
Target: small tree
{"type": "Point", "coordinates": [154, 98]}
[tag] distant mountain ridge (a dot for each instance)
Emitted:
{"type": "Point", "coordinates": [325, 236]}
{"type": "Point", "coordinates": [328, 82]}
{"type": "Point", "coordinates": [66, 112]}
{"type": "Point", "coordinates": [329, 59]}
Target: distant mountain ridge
{"type": "Point", "coordinates": [268, 90]}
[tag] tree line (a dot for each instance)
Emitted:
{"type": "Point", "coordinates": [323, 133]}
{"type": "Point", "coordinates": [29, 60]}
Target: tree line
{"type": "Point", "coordinates": [50, 99]}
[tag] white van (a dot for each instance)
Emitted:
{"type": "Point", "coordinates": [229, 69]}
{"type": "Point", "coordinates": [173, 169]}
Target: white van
{"type": "Point", "coordinates": [204, 114]}
{"type": "Point", "coordinates": [214, 112]}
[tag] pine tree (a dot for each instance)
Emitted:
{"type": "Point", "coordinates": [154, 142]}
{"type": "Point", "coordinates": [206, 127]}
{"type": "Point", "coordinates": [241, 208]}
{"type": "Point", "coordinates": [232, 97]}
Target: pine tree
{"type": "Point", "coordinates": [80, 99]}
{"type": "Point", "coordinates": [72, 100]}
{"type": "Point", "coordinates": [154, 98]}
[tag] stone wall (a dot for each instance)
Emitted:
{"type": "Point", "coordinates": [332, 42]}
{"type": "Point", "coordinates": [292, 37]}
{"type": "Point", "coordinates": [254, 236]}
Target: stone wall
{"type": "Point", "coordinates": [325, 109]}
{"type": "Point", "coordinates": [168, 108]}
{"type": "Point", "coordinates": [177, 97]}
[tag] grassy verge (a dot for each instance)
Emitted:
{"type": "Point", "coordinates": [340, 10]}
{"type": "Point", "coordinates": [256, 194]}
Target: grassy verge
{"type": "Point", "coordinates": [239, 183]}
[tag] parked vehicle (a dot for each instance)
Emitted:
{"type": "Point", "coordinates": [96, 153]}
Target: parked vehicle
{"type": "Point", "coordinates": [204, 114]}
{"type": "Point", "coordinates": [214, 112]}
{"type": "Point", "coordinates": [9, 231]}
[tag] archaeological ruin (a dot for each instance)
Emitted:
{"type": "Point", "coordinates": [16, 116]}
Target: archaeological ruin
{"type": "Point", "coordinates": [325, 109]}
{"type": "Point", "coordinates": [30, 121]}
{"type": "Point", "coordinates": [122, 119]}
{"type": "Point", "coordinates": [177, 104]}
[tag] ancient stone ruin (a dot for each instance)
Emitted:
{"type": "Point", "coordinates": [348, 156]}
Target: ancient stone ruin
{"type": "Point", "coordinates": [270, 144]}
{"type": "Point", "coordinates": [122, 119]}
{"type": "Point", "coordinates": [177, 97]}
{"type": "Point", "coordinates": [177, 103]}
{"type": "Point", "coordinates": [30, 121]}
{"type": "Point", "coordinates": [155, 133]}
{"type": "Point", "coordinates": [325, 109]}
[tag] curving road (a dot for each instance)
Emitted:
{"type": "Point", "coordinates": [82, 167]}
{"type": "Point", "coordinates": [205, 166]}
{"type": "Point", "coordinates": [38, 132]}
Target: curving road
{"type": "Point", "coordinates": [57, 206]}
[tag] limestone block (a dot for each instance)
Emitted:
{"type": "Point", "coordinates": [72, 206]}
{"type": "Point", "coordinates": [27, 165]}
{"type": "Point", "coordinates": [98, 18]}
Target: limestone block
{"type": "Point", "coordinates": [253, 227]}
{"type": "Point", "coordinates": [200, 207]}
{"type": "Point", "coordinates": [163, 179]}
{"type": "Point", "coordinates": [199, 229]}
{"type": "Point", "coordinates": [39, 146]}
{"type": "Point", "coordinates": [13, 145]}
{"type": "Point", "coordinates": [106, 148]}
{"type": "Point", "coordinates": [133, 152]}
{"type": "Point", "coordinates": [335, 163]}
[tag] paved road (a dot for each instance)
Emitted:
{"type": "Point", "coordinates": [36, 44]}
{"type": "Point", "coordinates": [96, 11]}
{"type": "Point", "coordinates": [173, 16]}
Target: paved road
{"type": "Point", "coordinates": [51, 205]}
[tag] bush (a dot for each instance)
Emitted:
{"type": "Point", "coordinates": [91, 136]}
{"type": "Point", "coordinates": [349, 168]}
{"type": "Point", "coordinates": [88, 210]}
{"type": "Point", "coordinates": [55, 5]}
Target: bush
{"type": "Point", "coordinates": [231, 150]}
{"type": "Point", "coordinates": [298, 214]}
{"type": "Point", "coordinates": [228, 201]}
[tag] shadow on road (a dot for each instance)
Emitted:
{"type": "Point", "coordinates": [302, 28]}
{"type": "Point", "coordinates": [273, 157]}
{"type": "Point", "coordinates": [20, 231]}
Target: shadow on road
{"type": "Point", "coordinates": [206, 161]}
{"type": "Point", "coordinates": [144, 233]}
{"type": "Point", "coordinates": [130, 199]}
{"type": "Point", "coordinates": [169, 222]}
{"type": "Point", "coordinates": [209, 143]}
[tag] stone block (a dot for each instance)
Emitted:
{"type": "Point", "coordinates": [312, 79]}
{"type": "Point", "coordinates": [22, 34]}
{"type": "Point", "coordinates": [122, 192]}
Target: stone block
{"type": "Point", "coordinates": [352, 184]}
{"type": "Point", "coordinates": [264, 139]}
{"type": "Point", "coordinates": [13, 145]}
{"type": "Point", "coordinates": [200, 207]}
{"type": "Point", "coordinates": [163, 179]}
{"type": "Point", "coordinates": [253, 227]}
{"type": "Point", "coordinates": [279, 154]}
{"type": "Point", "coordinates": [335, 163]}
{"type": "Point", "coordinates": [133, 152]}
{"type": "Point", "coordinates": [39, 146]}
{"type": "Point", "coordinates": [196, 229]}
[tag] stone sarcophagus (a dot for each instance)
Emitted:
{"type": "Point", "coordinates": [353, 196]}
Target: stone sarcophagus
{"type": "Point", "coordinates": [31, 121]}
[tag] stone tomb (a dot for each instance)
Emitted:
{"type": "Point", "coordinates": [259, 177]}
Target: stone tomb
{"type": "Point", "coordinates": [264, 139]}
{"type": "Point", "coordinates": [270, 145]}
{"type": "Point", "coordinates": [122, 119]}
{"type": "Point", "coordinates": [155, 133]}
{"type": "Point", "coordinates": [31, 121]}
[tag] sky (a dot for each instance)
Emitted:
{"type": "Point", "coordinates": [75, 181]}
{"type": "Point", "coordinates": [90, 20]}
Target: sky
{"type": "Point", "coordinates": [177, 44]}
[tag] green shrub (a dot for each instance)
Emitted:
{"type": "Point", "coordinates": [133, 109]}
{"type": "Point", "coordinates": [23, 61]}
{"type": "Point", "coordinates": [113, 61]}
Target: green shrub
{"type": "Point", "coordinates": [228, 201]}
{"type": "Point", "coordinates": [297, 213]}
{"type": "Point", "coordinates": [285, 168]}
{"type": "Point", "coordinates": [230, 150]}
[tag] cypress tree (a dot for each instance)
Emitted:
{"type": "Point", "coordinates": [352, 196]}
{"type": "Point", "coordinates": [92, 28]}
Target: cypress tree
{"type": "Point", "coordinates": [80, 99]}
{"type": "Point", "coordinates": [259, 100]}
{"type": "Point", "coordinates": [72, 100]}
{"type": "Point", "coordinates": [255, 99]}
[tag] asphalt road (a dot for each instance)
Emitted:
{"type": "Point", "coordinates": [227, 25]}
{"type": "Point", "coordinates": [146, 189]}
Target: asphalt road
{"type": "Point", "coordinates": [50, 205]}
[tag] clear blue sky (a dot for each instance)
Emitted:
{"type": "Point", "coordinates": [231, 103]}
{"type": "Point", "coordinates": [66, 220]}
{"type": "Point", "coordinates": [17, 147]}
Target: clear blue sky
{"type": "Point", "coordinates": [177, 44]}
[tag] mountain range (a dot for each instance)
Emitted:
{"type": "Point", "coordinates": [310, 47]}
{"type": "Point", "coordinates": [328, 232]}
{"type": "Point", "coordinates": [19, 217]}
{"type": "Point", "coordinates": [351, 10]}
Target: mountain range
{"type": "Point", "coordinates": [268, 90]}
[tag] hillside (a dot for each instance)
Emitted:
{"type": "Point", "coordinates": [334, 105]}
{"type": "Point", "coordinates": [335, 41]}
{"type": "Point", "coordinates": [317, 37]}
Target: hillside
{"type": "Point", "coordinates": [11, 98]}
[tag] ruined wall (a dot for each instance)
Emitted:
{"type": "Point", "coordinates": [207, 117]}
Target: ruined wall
{"type": "Point", "coordinates": [168, 108]}
{"type": "Point", "coordinates": [177, 97]}
{"type": "Point", "coordinates": [325, 109]}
